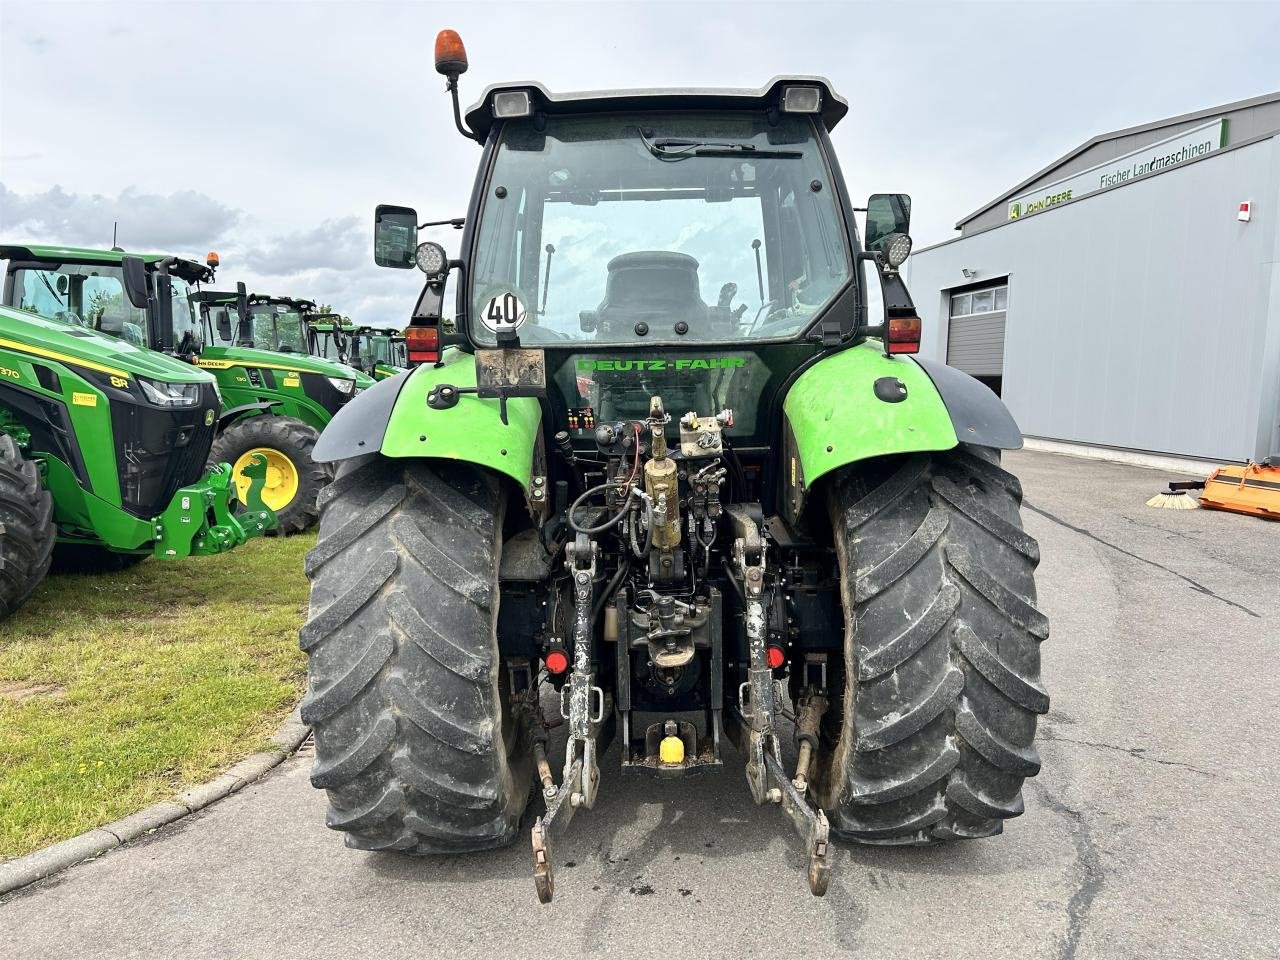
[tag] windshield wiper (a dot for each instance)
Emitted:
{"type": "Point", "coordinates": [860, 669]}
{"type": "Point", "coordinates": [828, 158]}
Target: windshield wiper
{"type": "Point", "coordinates": [676, 148]}
{"type": "Point", "coordinates": [45, 281]}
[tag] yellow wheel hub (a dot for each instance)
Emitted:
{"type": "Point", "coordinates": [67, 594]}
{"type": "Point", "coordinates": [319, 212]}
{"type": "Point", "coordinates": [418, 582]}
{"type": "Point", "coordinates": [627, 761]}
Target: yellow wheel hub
{"type": "Point", "coordinates": [281, 484]}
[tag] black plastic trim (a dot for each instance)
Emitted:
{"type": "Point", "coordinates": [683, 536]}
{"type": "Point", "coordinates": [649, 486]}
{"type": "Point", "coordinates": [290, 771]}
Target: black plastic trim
{"type": "Point", "coordinates": [977, 414]}
{"type": "Point", "coordinates": [361, 425]}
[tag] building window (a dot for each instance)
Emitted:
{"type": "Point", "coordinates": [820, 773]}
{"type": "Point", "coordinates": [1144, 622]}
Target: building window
{"type": "Point", "coordinates": [986, 300]}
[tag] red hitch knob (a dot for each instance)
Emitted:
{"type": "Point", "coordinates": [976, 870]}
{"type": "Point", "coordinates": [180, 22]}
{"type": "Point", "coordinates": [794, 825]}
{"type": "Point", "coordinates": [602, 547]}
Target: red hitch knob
{"type": "Point", "coordinates": [557, 662]}
{"type": "Point", "coordinates": [776, 657]}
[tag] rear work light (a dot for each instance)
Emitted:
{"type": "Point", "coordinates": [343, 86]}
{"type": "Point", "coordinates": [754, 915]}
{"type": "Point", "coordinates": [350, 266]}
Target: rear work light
{"type": "Point", "coordinates": [512, 105]}
{"type": "Point", "coordinates": [903, 335]}
{"type": "Point", "coordinates": [801, 99]}
{"type": "Point", "coordinates": [422, 344]}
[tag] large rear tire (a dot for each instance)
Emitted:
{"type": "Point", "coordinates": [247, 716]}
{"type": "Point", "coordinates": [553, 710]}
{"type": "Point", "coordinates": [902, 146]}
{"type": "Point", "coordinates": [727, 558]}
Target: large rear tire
{"type": "Point", "coordinates": [415, 741]}
{"type": "Point", "coordinates": [27, 531]}
{"type": "Point", "coordinates": [942, 665]}
{"type": "Point", "coordinates": [294, 480]}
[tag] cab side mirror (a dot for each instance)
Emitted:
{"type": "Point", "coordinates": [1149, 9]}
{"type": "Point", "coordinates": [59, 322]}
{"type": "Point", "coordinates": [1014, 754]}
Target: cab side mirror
{"type": "Point", "coordinates": [887, 214]}
{"type": "Point", "coordinates": [395, 236]}
{"type": "Point", "coordinates": [224, 326]}
{"type": "Point", "coordinates": [135, 281]}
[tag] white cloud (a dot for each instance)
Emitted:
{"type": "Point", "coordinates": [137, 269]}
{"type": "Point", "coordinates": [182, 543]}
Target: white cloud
{"type": "Point", "coordinates": [148, 221]}
{"type": "Point", "coordinates": [343, 244]}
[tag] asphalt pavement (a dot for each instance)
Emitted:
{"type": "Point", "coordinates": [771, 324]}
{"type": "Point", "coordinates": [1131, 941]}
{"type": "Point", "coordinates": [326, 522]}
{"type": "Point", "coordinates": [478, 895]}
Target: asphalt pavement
{"type": "Point", "coordinates": [1150, 831]}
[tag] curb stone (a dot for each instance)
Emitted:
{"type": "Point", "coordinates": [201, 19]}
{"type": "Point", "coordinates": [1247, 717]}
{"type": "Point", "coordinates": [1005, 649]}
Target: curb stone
{"type": "Point", "coordinates": [35, 866]}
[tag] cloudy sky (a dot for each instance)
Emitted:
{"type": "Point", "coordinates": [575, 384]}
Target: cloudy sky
{"type": "Point", "coordinates": [269, 130]}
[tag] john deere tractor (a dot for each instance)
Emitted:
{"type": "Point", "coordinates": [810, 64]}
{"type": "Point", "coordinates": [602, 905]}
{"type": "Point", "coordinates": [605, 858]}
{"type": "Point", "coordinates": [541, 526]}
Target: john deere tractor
{"type": "Point", "coordinates": [281, 395]}
{"type": "Point", "coordinates": [272, 406]}
{"type": "Point", "coordinates": [103, 447]}
{"type": "Point", "coordinates": [664, 462]}
{"type": "Point", "coordinates": [329, 336]}
{"type": "Point", "coordinates": [378, 351]}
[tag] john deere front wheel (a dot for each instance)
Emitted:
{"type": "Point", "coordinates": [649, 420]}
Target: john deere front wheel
{"type": "Point", "coordinates": [26, 527]}
{"type": "Point", "coordinates": [293, 480]}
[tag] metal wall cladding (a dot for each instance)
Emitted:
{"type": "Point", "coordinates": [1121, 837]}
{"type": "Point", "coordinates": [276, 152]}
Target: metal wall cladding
{"type": "Point", "coordinates": [1145, 317]}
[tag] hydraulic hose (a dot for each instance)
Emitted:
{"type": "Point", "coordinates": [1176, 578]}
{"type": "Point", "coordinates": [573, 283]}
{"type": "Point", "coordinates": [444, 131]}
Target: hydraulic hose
{"type": "Point", "coordinates": [608, 524]}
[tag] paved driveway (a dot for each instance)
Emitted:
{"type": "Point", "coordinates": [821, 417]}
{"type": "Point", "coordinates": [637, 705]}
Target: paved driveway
{"type": "Point", "coordinates": [1149, 833]}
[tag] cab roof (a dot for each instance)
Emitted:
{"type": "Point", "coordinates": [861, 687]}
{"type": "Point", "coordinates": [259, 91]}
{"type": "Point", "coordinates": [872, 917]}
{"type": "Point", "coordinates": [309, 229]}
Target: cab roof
{"type": "Point", "coordinates": [229, 296]}
{"type": "Point", "coordinates": [833, 108]}
{"type": "Point", "coordinates": [187, 269]}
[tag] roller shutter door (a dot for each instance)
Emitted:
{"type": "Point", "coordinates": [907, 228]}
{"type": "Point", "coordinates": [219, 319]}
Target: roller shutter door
{"type": "Point", "coordinates": [975, 334]}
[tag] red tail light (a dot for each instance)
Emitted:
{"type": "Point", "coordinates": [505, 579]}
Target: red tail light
{"type": "Point", "coordinates": [557, 662]}
{"type": "Point", "coordinates": [422, 344]}
{"type": "Point", "coordinates": [903, 335]}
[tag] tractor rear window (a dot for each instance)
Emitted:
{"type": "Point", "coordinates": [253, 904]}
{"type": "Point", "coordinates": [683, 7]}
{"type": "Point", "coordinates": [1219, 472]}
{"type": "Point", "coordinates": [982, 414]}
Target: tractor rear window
{"type": "Point", "coordinates": [657, 227]}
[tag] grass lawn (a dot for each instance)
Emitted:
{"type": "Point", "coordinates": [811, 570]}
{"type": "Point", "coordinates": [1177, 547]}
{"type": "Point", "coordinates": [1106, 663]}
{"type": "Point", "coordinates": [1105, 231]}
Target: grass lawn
{"type": "Point", "coordinates": [118, 690]}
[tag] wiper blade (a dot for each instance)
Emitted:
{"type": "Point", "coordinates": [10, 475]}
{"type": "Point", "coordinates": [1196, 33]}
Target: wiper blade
{"type": "Point", "coordinates": [676, 148]}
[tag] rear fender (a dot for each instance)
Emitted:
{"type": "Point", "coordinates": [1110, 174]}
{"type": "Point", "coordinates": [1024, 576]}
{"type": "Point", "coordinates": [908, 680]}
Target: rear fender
{"type": "Point", "coordinates": [392, 418]}
{"type": "Point", "coordinates": [857, 404]}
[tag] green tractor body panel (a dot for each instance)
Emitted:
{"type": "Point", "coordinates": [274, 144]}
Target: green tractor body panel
{"type": "Point", "coordinates": [472, 430]}
{"type": "Point", "coordinates": [73, 400]}
{"type": "Point", "coordinates": [296, 385]}
{"type": "Point", "coordinates": [836, 417]}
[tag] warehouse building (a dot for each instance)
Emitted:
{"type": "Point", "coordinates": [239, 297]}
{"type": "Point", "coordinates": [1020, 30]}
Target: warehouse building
{"type": "Point", "coordinates": [1126, 298]}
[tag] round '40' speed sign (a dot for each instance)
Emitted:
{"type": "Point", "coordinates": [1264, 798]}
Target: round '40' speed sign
{"type": "Point", "coordinates": [504, 311]}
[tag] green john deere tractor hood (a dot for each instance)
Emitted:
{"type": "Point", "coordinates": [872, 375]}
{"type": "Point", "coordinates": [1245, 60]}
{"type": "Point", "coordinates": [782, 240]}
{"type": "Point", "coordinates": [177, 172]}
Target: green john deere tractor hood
{"type": "Point", "coordinates": [29, 333]}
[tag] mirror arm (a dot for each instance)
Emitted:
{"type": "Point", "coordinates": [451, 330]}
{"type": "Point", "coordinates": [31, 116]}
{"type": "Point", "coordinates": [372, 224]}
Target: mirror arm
{"type": "Point", "coordinates": [894, 295]}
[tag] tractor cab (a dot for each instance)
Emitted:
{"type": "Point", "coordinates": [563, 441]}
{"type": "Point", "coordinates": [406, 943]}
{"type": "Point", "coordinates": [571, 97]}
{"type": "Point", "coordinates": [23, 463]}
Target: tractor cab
{"type": "Point", "coordinates": [144, 299]}
{"type": "Point", "coordinates": [255, 321]}
{"type": "Point", "coordinates": [379, 352]}
{"type": "Point", "coordinates": [330, 336]}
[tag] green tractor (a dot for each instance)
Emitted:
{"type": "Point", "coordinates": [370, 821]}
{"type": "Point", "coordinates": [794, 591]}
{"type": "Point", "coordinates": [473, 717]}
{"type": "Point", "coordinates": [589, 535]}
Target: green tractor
{"type": "Point", "coordinates": [692, 520]}
{"type": "Point", "coordinates": [103, 448]}
{"type": "Point", "coordinates": [329, 336]}
{"type": "Point", "coordinates": [379, 351]}
{"type": "Point", "coordinates": [259, 347]}
{"type": "Point", "coordinates": [273, 406]}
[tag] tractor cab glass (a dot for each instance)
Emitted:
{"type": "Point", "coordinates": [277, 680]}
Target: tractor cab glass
{"type": "Point", "coordinates": [82, 295]}
{"type": "Point", "coordinates": [271, 326]}
{"type": "Point", "coordinates": [93, 295]}
{"type": "Point", "coordinates": [688, 227]}
{"type": "Point", "coordinates": [330, 342]}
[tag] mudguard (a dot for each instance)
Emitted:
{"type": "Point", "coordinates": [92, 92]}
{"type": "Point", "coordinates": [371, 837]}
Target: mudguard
{"type": "Point", "coordinates": [858, 403]}
{"type": "Point", "coordinates": [978, 415]}
{"type": "Point", "coordinates": [392, 418]}
{"type": "Point", "coordinates": [234, 413]}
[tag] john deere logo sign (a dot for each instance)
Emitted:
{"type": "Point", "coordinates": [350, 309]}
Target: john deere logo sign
{"type": "Point", "coordinates": [1155, 158]}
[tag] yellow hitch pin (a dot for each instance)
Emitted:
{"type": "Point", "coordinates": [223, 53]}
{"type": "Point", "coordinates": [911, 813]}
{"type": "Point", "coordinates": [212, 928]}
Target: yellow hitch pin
{"type": "Point", "coordinates": [671, 750]}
